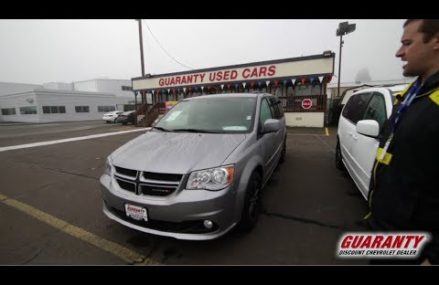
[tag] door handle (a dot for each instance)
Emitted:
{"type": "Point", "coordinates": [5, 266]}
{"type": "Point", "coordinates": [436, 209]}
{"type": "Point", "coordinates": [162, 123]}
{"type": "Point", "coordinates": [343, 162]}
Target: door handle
{"type": "Point", "coordinates": [355, 137]}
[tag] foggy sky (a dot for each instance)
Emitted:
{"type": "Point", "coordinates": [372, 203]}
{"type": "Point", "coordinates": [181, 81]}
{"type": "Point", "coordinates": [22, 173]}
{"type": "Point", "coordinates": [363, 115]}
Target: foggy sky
{"type": "Point", "coordinates": [40, 51]}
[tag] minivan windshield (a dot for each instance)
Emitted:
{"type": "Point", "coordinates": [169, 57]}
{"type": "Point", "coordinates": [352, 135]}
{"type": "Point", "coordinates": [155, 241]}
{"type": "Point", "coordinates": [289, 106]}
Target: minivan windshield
{"type": "Point", "coordinates": [211, 115]}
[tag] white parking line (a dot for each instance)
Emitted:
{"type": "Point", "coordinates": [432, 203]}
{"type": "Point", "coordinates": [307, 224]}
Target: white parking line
{"type": "Point", "coordinates": [29, 145]}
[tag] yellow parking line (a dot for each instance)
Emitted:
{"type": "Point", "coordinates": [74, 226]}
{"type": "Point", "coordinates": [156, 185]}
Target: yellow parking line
{"type": "Point", "coordinates": [109, 246]}
{"type": "Point", "coordinates": [327, 132]}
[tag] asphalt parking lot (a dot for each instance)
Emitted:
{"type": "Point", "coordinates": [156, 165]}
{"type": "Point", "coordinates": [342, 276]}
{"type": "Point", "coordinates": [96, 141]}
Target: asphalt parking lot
{"type": "Point", "coordinates": [51, 210]}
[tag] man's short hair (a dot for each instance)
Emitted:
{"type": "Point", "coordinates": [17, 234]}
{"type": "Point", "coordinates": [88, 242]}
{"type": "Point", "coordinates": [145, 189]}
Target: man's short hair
{"type": "Point", "coordinates": [429, 27]}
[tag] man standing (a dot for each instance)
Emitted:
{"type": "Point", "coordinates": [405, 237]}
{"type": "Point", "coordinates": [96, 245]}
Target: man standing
{"type": "Point", "coordinates": [404, 189]}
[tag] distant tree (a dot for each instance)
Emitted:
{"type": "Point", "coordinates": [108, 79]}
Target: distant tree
{"type": "Point", "coordinates": [363, 75]}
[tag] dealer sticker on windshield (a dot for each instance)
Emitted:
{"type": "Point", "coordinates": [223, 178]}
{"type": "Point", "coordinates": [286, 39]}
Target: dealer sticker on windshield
{"type": "Point", "coordinates": [136, 212]}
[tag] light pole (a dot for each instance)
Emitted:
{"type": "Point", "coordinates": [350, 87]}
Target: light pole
{"type": "Point", "coordinates": [344, 28]}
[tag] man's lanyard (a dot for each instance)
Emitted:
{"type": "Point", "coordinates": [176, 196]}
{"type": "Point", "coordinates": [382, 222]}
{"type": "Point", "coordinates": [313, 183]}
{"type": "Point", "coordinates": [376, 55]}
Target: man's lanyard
{"type": "Point", "coordinates": [405, 104]}
{"type": "Point", "coordinates": [397, 116]}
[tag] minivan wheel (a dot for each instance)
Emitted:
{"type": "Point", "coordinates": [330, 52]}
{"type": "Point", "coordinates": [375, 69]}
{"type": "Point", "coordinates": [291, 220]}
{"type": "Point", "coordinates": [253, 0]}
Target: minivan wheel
{"type": "Point", "coordinates": [338, 157]}
{"type": "Point", "coordinates": [252, 204]}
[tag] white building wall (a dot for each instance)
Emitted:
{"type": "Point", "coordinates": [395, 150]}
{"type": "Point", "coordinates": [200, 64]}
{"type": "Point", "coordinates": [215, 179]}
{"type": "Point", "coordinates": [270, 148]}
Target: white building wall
{"type": "Point", "coordinates": [304, 119]}
{"type": "Point", "coordinates": [44, 97]}
{"type": "Point", "coordinates": [92, 93]}
{"type": "Point", "coordinates": [70, 100]}
{"type": "Point", "coordinates": [16, 101]}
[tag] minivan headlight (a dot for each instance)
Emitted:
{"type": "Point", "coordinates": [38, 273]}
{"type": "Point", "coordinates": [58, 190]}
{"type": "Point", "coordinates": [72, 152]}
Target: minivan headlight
{"type": "Point", "coordinates": [211, 179]}
{"type": "Point", "coordinates": [108, 167]}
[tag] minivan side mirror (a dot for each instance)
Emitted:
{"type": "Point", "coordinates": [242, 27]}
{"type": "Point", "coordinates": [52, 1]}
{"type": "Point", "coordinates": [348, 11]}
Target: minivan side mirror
{"type": "Point", "coordinates": [271, 126]}
{"type": "Point", "coordinates": [369, 128]}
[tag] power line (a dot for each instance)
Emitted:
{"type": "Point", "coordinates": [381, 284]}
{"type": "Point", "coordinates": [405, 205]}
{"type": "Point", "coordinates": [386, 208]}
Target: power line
{"type": "Point", "coordinates": [167, 53]}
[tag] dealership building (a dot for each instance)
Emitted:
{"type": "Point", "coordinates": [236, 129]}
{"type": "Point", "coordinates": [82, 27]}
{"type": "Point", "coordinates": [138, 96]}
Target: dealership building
{"type": "Point", "coordinates": [299, 83]}
{"type": "Point", "coordinates": [56, 101]}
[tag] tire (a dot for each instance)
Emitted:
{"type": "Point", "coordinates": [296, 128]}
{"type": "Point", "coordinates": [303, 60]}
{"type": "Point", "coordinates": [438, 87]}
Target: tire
{"type": "Point", "coordinates": [338, 157]}
{"type": "Point", "coordinates": [252, 204]}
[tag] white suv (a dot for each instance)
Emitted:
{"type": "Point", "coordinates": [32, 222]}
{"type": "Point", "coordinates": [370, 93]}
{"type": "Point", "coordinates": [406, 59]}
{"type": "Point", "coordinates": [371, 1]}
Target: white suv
{"type": "Point", "coordinates": [360, 123]}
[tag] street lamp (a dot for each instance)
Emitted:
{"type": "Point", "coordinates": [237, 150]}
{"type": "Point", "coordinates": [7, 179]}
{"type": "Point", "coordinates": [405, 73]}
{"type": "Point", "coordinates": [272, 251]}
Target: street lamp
{"type": "Point", "coordinates": [344, 28]}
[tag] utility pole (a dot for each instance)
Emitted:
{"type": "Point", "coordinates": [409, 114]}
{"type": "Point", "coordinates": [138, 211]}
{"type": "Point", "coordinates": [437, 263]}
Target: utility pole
{"type": "Point", "coordinates": [141, 46]}
{"type": "Point", "coordinates": [142, 66]}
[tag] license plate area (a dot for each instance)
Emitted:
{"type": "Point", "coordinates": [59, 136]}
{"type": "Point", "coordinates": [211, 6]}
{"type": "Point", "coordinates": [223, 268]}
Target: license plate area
{"type": "Point", "coordinates": [136, 212]}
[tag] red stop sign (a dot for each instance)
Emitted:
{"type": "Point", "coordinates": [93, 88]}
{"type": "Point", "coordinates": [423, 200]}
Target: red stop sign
{"type": "Point", "coordinates": [306, 104]}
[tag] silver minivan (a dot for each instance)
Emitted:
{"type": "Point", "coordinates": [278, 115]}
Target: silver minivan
{"type": "Point", "coordinates": [200, 170]}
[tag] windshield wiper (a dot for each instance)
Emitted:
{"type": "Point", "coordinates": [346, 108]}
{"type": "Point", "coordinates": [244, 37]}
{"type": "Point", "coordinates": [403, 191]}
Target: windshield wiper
{"type": "Point", "coordinates": [194, 131]}
{"type": "Point", "coordinates": [160, 128]}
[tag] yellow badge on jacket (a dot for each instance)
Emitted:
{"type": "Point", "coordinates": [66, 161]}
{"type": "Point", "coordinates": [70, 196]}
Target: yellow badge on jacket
{"type": "Point", "coordinates": [383, 156]}
{"type": "Point", "coordinates": [435, 97]}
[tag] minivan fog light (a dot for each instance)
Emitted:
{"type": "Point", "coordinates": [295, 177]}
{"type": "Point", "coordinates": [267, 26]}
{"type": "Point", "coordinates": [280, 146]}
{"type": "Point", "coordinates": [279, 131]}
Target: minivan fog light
{"type": "Point", "coordinates": [208, 224]}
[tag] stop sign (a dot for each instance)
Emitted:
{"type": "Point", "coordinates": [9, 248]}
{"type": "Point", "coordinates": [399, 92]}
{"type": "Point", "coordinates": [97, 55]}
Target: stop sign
{"type": "Point", "coordinates": [306, 104]}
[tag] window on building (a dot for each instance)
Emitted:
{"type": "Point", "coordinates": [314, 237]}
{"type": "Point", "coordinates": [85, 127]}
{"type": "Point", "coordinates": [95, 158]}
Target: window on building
{"type": "Point", "coordinates": [104, 109]}
{"type": "Point", "coordinates": [54, 109]}
{"type": "Point", "coordinates": [290, 90]}
{"type": "Point", "coordinates": [29, 110]}
{"type": "Point", "coordinates": [303, 90]}
{"type": "Point", "coordinates": [82, 109]}
{"type": "Point", "coordinates": [8, 111]}
{"type": "Point", "coordinates": [315, 89]}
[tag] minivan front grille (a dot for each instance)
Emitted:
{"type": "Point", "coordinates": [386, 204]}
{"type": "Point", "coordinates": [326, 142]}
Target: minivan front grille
{"type": "Point", "coordinates": [147, 183]}
{"type": "Point", "coordinates": [162, 176]}
{"type": "Point", "coordinates": [129, 186]}
{"type": "Point", "coordinates": [126, 172]}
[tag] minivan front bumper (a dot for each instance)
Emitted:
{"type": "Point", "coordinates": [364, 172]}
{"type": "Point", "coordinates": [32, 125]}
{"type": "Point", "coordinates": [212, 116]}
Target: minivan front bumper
{"type": "Point", "coordinates": [180, 215]}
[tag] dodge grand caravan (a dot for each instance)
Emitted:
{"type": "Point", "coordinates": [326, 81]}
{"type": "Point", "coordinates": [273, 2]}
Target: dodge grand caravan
{"type": "Point", "coordinates": [200, 170]}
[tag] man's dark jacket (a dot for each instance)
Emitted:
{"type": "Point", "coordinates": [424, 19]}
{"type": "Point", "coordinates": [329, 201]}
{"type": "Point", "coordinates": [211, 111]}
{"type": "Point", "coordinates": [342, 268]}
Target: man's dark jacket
{"type": "Point", "coordinates": [404, 195]}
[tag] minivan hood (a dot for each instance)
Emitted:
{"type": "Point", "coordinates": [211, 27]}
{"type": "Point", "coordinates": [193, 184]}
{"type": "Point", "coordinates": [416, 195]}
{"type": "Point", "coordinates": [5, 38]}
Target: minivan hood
{"type": "Point", "coordinates": [170, 152]}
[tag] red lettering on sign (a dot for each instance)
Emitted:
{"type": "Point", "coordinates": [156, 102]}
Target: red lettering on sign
{"type": "Point", "coordinates": [226, 75]}
{"type": "Point", "coordinates": [202, 76]}
{"type": "Point", "coordinates": [246, 73]}
{"type": "Point", "coordinates": [161, 81]}
{"type": "Point", "coordinates": [212, 76]}
{"type": "Point", "coordinates": [271, 70]}
{"type": "Point", "coordinates": [234, 74]}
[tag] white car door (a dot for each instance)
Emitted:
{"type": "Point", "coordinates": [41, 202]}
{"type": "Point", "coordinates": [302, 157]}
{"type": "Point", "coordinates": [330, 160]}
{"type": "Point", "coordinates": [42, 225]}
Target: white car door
{"type": "Point", "coordinates": [351, 114]}
{"type": "Point", "coordinates": [364, 147]}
